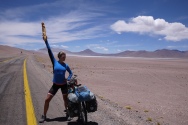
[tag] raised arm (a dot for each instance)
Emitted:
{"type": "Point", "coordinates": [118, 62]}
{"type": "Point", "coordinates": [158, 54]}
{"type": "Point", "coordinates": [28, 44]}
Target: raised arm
{"type": "Point", "coordinates": [47, 45]}
{"type": "Point", "coordinates": [50, 52]}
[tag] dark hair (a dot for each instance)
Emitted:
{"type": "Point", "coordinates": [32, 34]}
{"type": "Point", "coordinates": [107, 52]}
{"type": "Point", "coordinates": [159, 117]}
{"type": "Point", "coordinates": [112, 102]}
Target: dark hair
{"type": "Point", "coordinates": [61, 53]}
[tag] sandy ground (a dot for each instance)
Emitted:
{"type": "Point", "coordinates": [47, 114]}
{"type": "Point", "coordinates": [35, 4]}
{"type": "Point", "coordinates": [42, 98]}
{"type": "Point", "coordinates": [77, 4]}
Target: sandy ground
{"type": "Point", "coordinates": [155, 88]}
{"type": "Point", "coordinates": [152, 89]}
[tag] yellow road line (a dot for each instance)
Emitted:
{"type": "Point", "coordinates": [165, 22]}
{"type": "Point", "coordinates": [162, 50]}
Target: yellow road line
{"type": "Point", "coordinates": [31, 119]}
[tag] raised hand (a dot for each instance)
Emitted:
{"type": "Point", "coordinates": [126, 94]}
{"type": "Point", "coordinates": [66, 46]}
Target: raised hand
{"type": "Point", "coordinates": [44, 31]}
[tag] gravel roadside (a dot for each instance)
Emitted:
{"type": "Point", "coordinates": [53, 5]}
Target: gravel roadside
{"type": "Point", "coordinates": [108, 113]}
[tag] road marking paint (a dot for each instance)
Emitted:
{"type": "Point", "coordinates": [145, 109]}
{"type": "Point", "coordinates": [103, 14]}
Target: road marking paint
{"type": "Point", "coordinates": [31, 119]}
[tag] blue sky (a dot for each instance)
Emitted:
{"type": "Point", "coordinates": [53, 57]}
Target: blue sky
{"type": "Point", "coordinates": [105, 26]}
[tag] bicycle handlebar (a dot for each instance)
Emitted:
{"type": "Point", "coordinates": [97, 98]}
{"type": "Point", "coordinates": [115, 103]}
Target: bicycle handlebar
{"type": "Point", "coordinates": [73, 81]}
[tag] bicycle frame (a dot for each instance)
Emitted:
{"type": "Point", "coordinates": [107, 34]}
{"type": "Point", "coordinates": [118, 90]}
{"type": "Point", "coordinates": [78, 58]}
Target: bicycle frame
{"type": "Point", "coordinates": [82, 112]}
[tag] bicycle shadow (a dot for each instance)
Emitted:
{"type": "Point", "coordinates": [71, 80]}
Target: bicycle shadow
{"type": "Point", "coordinates": [59, 119]}
{"type": "Point", "coordinates": [77, 123]}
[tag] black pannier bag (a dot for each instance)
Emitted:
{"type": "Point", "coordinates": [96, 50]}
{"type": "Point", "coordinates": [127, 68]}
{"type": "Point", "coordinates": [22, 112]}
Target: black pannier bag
{"type": "Point", "coordinates": [73, 108]}
{"type": "Point", "coordinates": [91, 105]}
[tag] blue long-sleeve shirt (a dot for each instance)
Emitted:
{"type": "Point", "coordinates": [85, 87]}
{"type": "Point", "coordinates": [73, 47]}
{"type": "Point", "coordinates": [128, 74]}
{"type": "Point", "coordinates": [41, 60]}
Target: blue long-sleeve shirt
{"type": "Point", "coordinates": [59, 69]}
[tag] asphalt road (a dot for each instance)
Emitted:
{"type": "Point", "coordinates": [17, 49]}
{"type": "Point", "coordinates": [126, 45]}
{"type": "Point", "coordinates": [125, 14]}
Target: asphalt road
{"type": "Point", "coordinates": [12, 93]}
{"type": "Point", "coordinates": [12, 96]}
{"type": "Point", "coordinates": [12, 103]}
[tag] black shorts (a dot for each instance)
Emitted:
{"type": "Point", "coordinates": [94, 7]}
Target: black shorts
{"type": "Point", "coordinates": [55, 88]}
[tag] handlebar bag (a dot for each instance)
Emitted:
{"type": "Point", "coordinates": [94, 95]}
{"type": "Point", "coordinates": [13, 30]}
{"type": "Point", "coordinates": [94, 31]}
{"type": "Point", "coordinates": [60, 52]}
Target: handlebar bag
{"type": "Point", "coordinates": [83, 93]}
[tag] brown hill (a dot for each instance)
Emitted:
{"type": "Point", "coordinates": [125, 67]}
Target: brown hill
{"type": "Point", "coordinates": [163, 53]}
{"type": "Point", "coordinates": [8, 51]}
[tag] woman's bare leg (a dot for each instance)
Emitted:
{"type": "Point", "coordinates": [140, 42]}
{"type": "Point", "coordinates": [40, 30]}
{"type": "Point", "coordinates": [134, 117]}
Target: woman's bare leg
{"type": "Point", "coordinates": [47, 102]}
{"type": "Point", "coordinates": [65, 101]}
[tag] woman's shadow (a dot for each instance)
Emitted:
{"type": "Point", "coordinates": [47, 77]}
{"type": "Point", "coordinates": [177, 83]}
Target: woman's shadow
{"type": "Point", "coordinates": [64, 119]}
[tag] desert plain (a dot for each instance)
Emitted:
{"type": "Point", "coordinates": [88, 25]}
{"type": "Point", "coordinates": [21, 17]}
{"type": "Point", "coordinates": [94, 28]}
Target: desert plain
{"type": "Point", "coordinates": [154, 89]}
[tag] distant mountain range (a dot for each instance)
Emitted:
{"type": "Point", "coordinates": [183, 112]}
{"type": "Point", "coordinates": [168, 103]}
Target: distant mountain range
{"type": "Point", "coordinates": [163, 53]}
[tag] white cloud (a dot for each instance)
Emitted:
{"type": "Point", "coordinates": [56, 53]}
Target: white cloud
{"type": "Point", "coordinates": [118, 50]}
{"type": "Point", "coordinates": [59, 46]}
{"type": "Point", "coordinates": [55, 46]}
{"type": "Point", "coordinates": [147, 24]}
{"type": "Point", "coordinates": [65, 47]}
{"type": "Point", "coordinates": [97, 46]}
{"type": "Point", "coordinates": [68, 26]}
{"type": "Point", "coordinates": [58, 30]}
{"type": "Point", "coordinates": [102, 48]}
{"type": "Point", "coordinates": [14, 28]}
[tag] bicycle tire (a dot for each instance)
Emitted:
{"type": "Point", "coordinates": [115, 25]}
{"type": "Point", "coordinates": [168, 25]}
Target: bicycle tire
{"type": "Point", "coordinates": [83, 113]}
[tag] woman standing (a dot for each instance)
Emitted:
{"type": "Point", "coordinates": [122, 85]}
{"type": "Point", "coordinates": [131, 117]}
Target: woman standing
{"type": "Point", "coordinates": [59, 80]}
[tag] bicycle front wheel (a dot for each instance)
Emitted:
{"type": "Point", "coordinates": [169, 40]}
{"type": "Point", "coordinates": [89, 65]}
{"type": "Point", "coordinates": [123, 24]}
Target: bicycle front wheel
{"type": "Point", "coordinates": [84, 113]}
